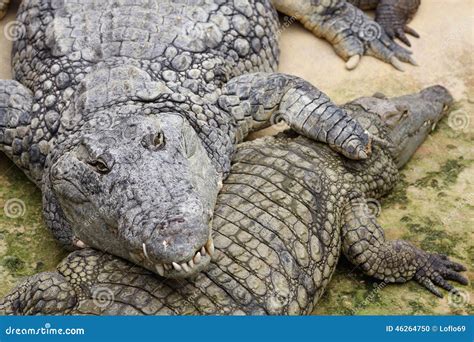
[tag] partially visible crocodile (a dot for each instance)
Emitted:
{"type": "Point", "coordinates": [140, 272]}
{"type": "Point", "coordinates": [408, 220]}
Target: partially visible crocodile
{"type": "Point", "coordinates": [392, 15]}
{"type": "Point", "coordinates": [126, 115]}
{"type": "Point", "coordinates": [284, 214]}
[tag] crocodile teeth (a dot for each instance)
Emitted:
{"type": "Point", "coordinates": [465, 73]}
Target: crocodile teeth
{"type": "Point", "coordinates": [144, 251]}
{"type": "Point", "coordinates": [185, 267]}
{"type": "Point", "coordinates": [160, 269]}
{"type": "Point", "coordinates": [203, 251]}
{"type": "Point", "coordinates": [168, 267]}
{"type": "Point", "coordinates": [80, 244]}
{"type": "Point", "coordinates": [197, 258]}
{"type": "Point", "coordinates": [176, 266]}
{"type": "Point", "coordinates": [191, 263]}
{"type": "Point", "coordinates": [210, 247]}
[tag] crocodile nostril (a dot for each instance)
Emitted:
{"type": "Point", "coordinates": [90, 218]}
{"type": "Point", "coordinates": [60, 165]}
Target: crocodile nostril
{"type": "Point", "coordinates": [176, 220]}
{"type": "Point", "coordinates": [153, 141]}
{"type": "Point", "coordinates": [169, 222]}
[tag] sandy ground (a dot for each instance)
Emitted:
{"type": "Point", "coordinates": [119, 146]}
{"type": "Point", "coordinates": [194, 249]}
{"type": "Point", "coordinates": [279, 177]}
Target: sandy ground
{"type": "Point", "coordinates": [432, 206]}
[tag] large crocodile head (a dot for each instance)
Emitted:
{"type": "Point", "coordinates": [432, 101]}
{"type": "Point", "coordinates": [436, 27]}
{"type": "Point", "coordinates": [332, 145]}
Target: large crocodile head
{"type": "Point", "coordinates": [408, 119]}
{"type": "Point", "coordinates": [141, 187]}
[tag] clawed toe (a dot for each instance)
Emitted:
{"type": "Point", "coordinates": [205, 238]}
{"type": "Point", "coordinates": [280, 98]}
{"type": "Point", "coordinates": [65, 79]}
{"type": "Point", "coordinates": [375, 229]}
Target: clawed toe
{"type": "Point", "coordinates": [411, 32]}
{"type": "Point", "coordinates": [427, 283]}
{"type": "Point", "coordinates": [452, 275]}
{"type": "Point", "coordinates": [437, 270]}
{"type": "Point", "coordinates": [400, 34]}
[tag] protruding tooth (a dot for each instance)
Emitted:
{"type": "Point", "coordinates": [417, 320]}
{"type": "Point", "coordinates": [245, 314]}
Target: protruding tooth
{"type": "Point", "coordinates": [144, 251]}
{"type": "Point", "coordinates": [191, 263]}
{"type": "Point", "coordinates": [185, 267]}
{"type": "Point", "coordinates": [210, 247]}
{"type": "Point", "coordinates": [203, 251]}
{"type": "Point", "coordinates": [396, 63]}
{"type": "Point", "coordinates": [197, 258]}
{"type": "Point", "coordinates": [160, 269]}
{"type": "Point", "coordinates": [167, 267]}
{"type": "Point", "coordinates": [176, 266]}
{"type": "Point", "coordinates": [80, 243]}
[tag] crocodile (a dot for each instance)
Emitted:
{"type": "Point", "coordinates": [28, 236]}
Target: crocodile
{"type": "Point", "coordinates": [392, 15]}
{"type": "Point", "coordinates": [126, 115]}
{"type": "Point", "coordinates": [288, 209]}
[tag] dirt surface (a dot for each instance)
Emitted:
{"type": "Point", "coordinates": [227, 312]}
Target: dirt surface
{"type": "Point", "coordinates": [432, 206]}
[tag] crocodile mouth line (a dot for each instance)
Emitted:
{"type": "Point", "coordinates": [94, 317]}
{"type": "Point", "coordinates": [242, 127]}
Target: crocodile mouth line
{"type": "Point", "coordinates": [185, 267]}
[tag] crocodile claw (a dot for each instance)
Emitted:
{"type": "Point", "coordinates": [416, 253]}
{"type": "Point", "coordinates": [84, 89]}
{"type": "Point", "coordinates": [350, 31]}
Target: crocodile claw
{"type": "Point", "coordinates": [436, 270]}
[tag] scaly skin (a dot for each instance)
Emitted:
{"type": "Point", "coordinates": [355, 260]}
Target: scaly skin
{"type": "Point", "coordinates": [288, 208]}
{"type": "Point", "coordinates": [127, 116]}
{"type": "Point", "coordinates": [392, 15]}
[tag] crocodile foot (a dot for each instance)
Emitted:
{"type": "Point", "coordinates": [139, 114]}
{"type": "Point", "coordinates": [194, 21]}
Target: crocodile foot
{"type": "Point", "coordinates": [435, 270]}
{"type": "Point", "coordinates": [393, 16]}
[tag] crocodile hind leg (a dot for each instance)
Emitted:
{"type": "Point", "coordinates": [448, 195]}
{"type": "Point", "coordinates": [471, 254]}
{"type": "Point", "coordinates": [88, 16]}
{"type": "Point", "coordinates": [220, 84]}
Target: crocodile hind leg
{"type": "Point", "coordinates": [395, 261]}
{"type": "Point", "coordinates": [393, 16]}
{"type": "Point", "coordinates": [3, 7]}
{"type": "Point", "coordinates": [351, 32]}
{"type": "Point", "coordinates": [258, 99]}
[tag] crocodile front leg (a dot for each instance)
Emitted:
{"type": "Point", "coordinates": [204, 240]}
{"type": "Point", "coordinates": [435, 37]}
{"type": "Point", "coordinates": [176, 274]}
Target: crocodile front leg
{"type": "Point", "coordinates": [22, 138]}
{"type": "Point", "coordinates": [351, 32]}
{"type": "Point", "coordinates": [256, 100]}
{"type": "Point", "coordinates": [397, 261]}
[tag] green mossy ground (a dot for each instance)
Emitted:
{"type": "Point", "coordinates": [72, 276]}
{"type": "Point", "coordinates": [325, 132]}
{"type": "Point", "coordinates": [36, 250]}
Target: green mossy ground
{"type": "Point", "coordinates": [26, 246]}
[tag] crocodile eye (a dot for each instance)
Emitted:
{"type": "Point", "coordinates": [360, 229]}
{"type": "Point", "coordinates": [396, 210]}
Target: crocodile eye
{"type": "Point", "coordinates": [100, 166]}
{"type": "Point", "coordinates": [154, 141]}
